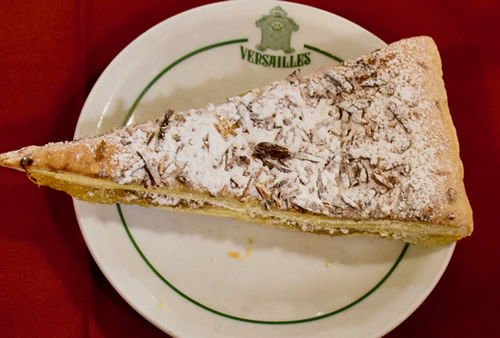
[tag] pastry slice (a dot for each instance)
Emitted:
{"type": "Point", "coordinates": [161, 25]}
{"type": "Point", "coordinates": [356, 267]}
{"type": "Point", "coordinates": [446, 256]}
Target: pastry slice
{"type": "Point", "coordinates": [366, 148]}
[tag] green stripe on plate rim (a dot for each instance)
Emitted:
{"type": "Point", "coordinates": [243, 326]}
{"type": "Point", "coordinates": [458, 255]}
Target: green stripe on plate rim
{"type": "Point", "coordinates": [179, 292]}
{"type": "Point", "coordinates": [172, 65]}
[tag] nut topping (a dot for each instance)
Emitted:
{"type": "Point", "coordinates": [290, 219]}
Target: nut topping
{"type": "Point", "coordinates": [269, 150]}
{"type": "Point", "coordinates": [337, 143]}
{"type": "Point", "coordinates": [164, 125]}
{"type": "Point", "coordinates": [452, 195]}
{"type": "Point", "coordinates": [339, 80]}
{"type": "Point", "coordinates": [382, 180]}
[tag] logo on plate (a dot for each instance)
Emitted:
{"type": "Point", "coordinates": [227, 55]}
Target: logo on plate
{"type": "Point", "coordinates": [277, 29]}
{"type": "Point", "coordinates": [276, 35]}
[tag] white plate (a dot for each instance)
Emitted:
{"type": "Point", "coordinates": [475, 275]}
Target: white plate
{"type": "Point", "coordinates": [174, 268]}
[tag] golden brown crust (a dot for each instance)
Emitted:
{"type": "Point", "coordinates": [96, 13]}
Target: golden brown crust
{"type": "Point", "coordinates": [457, 212]}
{"type": "Point", "coordinates": [89, 157]}
{"type": "Point", "coordinates": [107, 192]}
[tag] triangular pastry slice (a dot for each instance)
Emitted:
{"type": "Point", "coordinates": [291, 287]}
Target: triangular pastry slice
{"type": "Point", "coordinates": [367, 147]}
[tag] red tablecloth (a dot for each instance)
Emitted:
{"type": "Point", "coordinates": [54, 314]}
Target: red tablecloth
{"type": "Point", "coordinates": [52, 52]}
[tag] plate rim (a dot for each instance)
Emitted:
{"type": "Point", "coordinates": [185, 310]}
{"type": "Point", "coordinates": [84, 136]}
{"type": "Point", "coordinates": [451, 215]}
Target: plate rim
{"type": "Point", "coordinates": [417, 302]}
{"type": "Point", "coordinates": [341, 309]}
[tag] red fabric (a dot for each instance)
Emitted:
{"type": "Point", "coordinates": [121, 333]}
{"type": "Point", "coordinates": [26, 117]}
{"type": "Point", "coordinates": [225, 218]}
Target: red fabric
{"type": "Point", "coordinates": [51, 53]}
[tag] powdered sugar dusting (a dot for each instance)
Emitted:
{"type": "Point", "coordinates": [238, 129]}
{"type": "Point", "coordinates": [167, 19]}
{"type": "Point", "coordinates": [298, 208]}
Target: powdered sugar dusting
{"type": "Point", "coordinates": [356, 140]}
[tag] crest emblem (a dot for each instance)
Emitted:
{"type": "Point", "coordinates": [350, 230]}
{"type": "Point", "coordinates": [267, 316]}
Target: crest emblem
{"type": "Point", "coordinates": [277, 29]}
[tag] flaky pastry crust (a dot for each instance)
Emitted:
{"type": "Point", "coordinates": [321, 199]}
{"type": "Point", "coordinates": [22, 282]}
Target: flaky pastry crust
{"type": "Point", "coordinates": [367, 147]}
